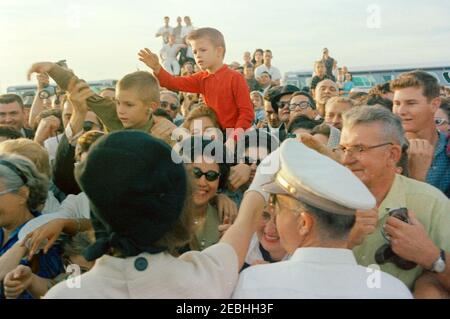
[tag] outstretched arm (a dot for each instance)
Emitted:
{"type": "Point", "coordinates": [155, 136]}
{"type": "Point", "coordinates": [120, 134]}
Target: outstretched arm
{"type": "Point", "coordinates": [104, 108]}
{"type": "Point", "coordinates": [22, 279]}
{"type": "Point", "coordinates": [176, 83]}
{"type": "Point", "coordinates": [240, 233]}
{"type": "Point", "coordinates": [11, 259]}
{"type": "Point", "coordinates": [38, 103]}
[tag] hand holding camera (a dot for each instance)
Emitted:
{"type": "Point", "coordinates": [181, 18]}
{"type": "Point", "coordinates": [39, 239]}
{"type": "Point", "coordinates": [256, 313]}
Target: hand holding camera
{"type": "Point", "coordinates": [411, 241]}
{"type": "Point", "coordinates": [409, 244]}
{"type": "Point", "coordinates": [387, 253]}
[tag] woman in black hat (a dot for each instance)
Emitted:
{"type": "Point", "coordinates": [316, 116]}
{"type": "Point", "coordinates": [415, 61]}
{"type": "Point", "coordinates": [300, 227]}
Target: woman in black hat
{"type": "Point", "coordinates": [139, 197]}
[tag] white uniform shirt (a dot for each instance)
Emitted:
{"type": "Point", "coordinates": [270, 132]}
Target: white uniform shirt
{"type": "Point", "coordinates": [273, 71]}
{"type": "Point", "coordinates": [212, 273]}
{"type": "Point", "coordinates": [319, 273]}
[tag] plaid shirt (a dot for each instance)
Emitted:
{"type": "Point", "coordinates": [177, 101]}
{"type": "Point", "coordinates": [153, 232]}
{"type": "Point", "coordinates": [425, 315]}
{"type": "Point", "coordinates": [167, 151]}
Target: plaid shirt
{"type": "Point", "coordinates": [439, 173]}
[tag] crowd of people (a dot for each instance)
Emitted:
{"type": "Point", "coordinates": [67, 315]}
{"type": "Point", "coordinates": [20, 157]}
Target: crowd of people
{"type": "Point", "coordinates": [224, 182]}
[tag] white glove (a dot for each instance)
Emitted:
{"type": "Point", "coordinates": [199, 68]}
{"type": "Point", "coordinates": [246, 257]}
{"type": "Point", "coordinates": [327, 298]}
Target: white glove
{"type": "Point", "coordinates": [265, 173]}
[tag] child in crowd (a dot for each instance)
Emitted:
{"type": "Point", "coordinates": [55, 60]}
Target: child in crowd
{"type": "Point", "coordinates": [224, 90]}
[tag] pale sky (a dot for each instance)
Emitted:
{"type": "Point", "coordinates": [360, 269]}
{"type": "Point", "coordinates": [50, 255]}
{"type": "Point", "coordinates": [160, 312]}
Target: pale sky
{"type": "Point", "coordinates": [100, 39]}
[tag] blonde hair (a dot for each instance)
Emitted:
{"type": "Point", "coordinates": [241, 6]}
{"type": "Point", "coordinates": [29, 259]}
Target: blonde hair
{"type": "Point", "coordinates": [340, 99]}
{"type": "Point", "coordinates": [317, 63]}
{"type": "Point", "coordinates": [31, 150]}
{"type": "Point", "coordinates": [211, 34]}
{"type": "Point", "coordinates": [144, 83]}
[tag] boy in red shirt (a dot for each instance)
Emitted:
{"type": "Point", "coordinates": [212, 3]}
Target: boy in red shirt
{"type": "Point", "coordinates": [224, 90]}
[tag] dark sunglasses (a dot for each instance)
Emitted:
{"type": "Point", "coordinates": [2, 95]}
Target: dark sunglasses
{"type": "Point", "coordinates": [210, 176]}
{"type": "Point", "coordinates": [173, 106]}
{"type": "Point", "coordinates": [282, 105]}
{"type": "Point", "coordinates": [88, 125]}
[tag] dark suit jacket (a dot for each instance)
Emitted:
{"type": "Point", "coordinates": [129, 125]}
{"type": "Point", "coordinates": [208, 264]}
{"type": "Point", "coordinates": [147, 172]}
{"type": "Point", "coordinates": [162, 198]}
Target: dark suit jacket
{"type": "Point", "coordinates": [63, 176]}
{"type": "Point", "coordinates": [28, 133]}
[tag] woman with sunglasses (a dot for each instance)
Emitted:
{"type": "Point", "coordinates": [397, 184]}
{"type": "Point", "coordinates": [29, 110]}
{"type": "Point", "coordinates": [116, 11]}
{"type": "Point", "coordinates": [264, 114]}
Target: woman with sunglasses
{"type": "Point", "coordinates": [137, 254]}
{"type": "Point", "coordinates": [208, 176]}
{"type": "Point", "coordinates": [22, 190]}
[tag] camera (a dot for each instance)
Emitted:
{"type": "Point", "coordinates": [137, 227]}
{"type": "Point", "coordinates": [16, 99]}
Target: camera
{"type": "Point", "coordinates": [49, 90]}
{"type": "Point", "coordinates": [385, 253]}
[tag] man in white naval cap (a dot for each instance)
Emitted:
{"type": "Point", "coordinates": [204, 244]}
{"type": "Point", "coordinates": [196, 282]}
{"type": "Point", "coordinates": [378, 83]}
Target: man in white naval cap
{"type": "Point", "coordinates": [315, 200]}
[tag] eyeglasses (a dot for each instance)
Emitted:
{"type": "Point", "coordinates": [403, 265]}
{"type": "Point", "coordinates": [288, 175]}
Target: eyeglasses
{"type": "Point", "coordinates": [8, 191]}
{"type": "Point", "coordinates": [302, 105]}
{"type": "Point", "coordinates": [357, 149]}
{"type": "Point", "coordinates": [440, 121]}
{"type": "Point", "coordinates": [173, 106]}
{"type": "Point", "coordinates": [210, 176]}
{"type": "Point", "coordinates": [282, 105]}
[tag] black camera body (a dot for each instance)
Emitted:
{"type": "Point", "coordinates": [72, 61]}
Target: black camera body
{"type": "Point", "coordinates": [385, 253]}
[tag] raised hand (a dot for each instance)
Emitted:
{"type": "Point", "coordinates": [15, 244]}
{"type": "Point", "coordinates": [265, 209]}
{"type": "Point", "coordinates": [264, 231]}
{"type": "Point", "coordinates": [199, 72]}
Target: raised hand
{"type": "Point", "coordinates": [150, 59]}
{"type": "Point", "coordinates": [43, 237]}
{"type": "Point", "coordinates": [40, 67]}
{"type": "Point", "coordinates": [239, 175]}
{"type": "Point", "coordinates": [421, 155]}
{"type": "Point", "coordinates": [47, 128]}
{"type": "Point", "coordinates": [312, 143]}
{"type": "Point", "coordinates": [162, 129]}
{"type": "Point", "coordinates": [78, 93]}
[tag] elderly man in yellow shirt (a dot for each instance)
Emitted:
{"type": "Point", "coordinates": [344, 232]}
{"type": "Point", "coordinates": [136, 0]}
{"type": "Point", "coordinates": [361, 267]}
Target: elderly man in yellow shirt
{"type": "Point", "coordinates": [371, 144]}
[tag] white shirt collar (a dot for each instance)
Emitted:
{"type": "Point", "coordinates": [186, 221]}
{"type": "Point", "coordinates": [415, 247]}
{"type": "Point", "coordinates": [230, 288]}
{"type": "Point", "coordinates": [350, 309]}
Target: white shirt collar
{"type": "Point", "coordinates": [324, 256]}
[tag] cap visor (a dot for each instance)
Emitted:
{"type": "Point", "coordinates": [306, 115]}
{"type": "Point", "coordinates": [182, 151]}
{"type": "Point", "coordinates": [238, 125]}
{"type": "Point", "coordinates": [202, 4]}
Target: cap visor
{"type": "Point", "coordinates": [274, 188]}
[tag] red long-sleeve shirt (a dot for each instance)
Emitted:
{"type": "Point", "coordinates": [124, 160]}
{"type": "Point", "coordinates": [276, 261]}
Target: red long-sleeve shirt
{"type": "Point", "coordinates": [225, 91]}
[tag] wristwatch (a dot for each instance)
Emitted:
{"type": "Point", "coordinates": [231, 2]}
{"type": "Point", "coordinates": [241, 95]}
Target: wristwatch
{"type": "Point", "coordinates": [439, 265]}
